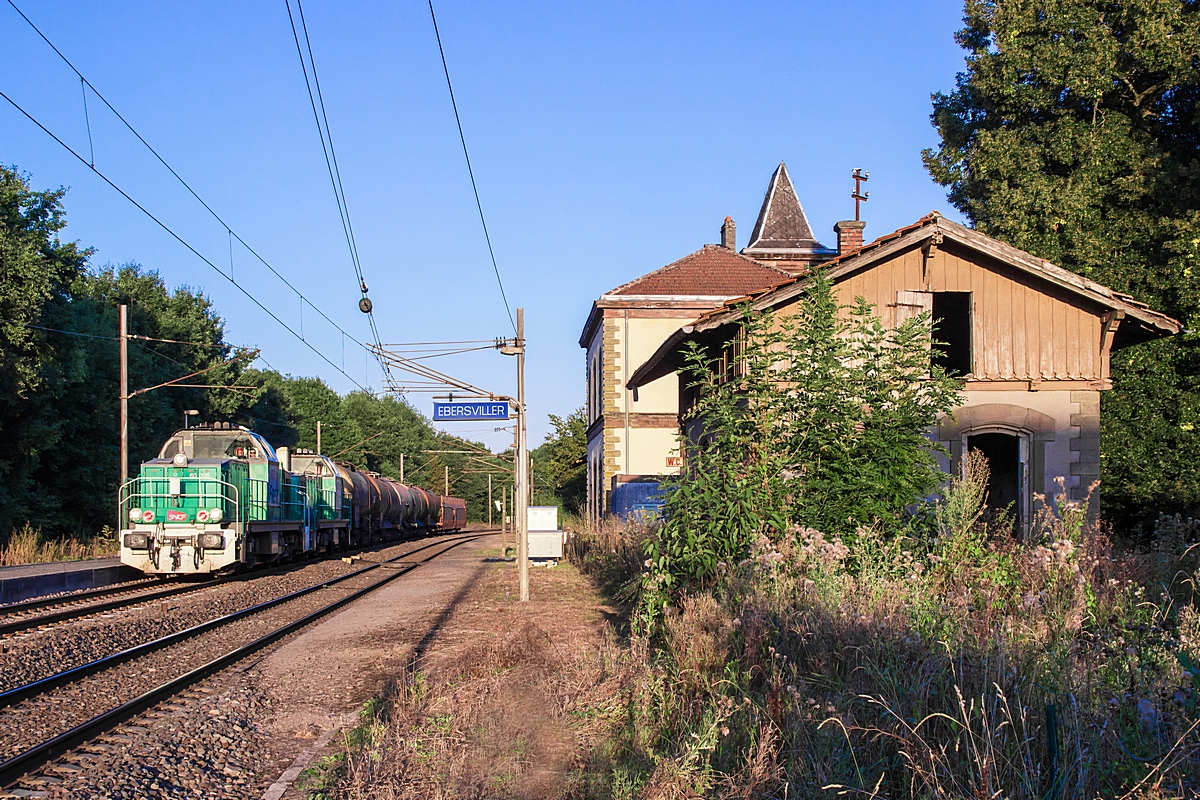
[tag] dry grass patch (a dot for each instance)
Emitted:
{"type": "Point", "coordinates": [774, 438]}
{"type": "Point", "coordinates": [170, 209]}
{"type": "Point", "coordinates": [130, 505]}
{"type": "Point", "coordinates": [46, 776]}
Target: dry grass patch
{"type": "Point", "coordinates": [504, 700]}
{"type": "Point", "coordinates": [29, 546]}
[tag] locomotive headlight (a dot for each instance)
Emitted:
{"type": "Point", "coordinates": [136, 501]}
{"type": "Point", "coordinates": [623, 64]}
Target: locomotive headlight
{"type": "Point", "coordinates": [211, 541]}
{"type": "Point", "coordinates": [179, 459]}
{"type": "Point", "coordinates": [135, 514]}
{"type": "Point", "coordinates": [202, 516]}
{"type": "Point", "coordinates": [137, 541]}
{"type": "Point", "coordinates": [214, 515]}
{"type": "Point", "coordinates": [147, 516]}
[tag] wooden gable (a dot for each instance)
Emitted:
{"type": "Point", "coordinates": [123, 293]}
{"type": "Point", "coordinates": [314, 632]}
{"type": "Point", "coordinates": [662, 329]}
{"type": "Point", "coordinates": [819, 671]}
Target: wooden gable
{"type": "Point", "coordinates": [1030, 321]}
{"type": "Point", "coordinates": [1022, 328]}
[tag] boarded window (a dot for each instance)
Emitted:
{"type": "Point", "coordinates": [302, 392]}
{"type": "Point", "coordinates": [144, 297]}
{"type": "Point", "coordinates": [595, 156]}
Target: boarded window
{"type": "Point", "coordinates": [912, 304]}
{"type": "Point", "coordinates": [952, 329]}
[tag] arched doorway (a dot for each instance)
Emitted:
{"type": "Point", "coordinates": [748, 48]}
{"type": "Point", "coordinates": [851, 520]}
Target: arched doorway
{"type": "Point", "coordinates": [1007, 453]}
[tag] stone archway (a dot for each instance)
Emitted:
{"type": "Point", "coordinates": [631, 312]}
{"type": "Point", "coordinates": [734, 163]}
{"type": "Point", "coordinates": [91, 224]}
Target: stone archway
{"type": "Point", "coordinates": [1030, 428]}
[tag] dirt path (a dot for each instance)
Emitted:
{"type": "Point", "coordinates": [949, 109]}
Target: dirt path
{"type": "Point", "coordinates": [479, 690]}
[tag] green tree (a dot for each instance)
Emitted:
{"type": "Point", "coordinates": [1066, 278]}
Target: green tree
{"type": "Point", "coordinates": [1074, 134]}
{"type": "Point", "coordinates": [36, 270]}
{"type": "Point", "coordinates": [59, 459]}
{"type": "Point", "coordinates": [75, 478]}
{"type": "Point", "coordinates": [559, 464]}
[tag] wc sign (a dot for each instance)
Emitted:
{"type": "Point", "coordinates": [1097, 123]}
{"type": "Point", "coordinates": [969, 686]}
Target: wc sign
{"type": "Point", "coordinates": [477, 411]}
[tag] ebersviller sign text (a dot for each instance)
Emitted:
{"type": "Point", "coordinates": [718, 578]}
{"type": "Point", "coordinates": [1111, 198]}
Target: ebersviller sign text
{"type": "Point", "coordinates": [469, 412]}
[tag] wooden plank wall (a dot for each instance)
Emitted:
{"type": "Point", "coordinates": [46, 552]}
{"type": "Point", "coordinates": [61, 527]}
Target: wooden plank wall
{"type": "Point", "coordinates": [1023, 329]}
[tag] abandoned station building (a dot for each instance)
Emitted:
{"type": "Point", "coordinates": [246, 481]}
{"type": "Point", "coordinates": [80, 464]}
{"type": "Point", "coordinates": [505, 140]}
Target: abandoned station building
{"type": "Point", "coordinates": [1030, 340]}
{"type": "Point", "coordinates": [633, 436]}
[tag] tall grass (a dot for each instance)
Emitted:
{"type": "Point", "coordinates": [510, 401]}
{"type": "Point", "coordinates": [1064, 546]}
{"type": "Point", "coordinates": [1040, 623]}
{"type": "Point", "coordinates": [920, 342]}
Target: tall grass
{"type": "Point", "coordinates": [28, 546]}
{"type": "Point", "coordinates": [970, 665]}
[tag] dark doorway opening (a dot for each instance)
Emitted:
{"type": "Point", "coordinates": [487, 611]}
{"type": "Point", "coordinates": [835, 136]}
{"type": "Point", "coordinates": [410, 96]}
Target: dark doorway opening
{"type": "Point", "coordinates": [1003, 453]}
{"type": "Point", "coordinates": [952, 328]}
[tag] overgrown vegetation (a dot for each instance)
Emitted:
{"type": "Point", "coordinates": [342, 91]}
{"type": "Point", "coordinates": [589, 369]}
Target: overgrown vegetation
{"type": "Point", "coordinates": [901, 667]}
{"type": "Point", "coordinates": [28, 546]}
{"type": "Point", "coordinates": [808, 622]}
{"type": "Point", "coordinates": [820, 422]}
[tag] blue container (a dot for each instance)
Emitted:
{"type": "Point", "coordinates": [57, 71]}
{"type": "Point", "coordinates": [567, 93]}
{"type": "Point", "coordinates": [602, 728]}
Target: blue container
{"type": "Point", "coordinates": [636, 500]}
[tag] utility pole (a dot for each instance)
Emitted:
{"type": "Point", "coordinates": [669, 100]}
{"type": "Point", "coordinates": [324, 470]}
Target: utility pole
{"type": "Point", "coordinates": [447, 483]}
{"type": "Point", "coordinates": [521, 496]}
{"type": "Point", "coordinates": [489, 499]}
{"type": "Point", "coordinates": [402, 467]}
{"type": "Point", "coordinates": [318, 437]}
{"type": "Point", "coordinates": [124, 389]}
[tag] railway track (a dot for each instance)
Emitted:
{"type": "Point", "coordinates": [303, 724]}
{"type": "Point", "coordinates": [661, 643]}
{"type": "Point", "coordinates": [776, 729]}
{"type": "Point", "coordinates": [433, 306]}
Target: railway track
{"type": "Point", "coordinates": [42, 720]}
{"type": "Point", "coordinates": [17, 618]}
{"type": "Point", "coordinates": [20, 617]}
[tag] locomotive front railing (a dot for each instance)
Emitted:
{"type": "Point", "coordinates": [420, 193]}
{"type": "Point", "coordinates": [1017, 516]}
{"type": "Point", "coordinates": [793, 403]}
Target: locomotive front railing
{"type": "Point", "coordinates": [207, 493]}
{"type": "Point", "coordinates": [158, 494]}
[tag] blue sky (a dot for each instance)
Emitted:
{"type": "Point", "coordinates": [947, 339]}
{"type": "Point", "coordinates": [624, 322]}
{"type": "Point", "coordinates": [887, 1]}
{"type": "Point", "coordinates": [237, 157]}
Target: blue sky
{"type": "Point", "coordinates": [608, 139]}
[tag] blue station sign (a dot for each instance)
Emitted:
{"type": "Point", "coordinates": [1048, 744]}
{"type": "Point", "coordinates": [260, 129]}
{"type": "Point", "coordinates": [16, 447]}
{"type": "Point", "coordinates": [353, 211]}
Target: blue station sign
{"type": "Point", "coordinates": [471, 412]}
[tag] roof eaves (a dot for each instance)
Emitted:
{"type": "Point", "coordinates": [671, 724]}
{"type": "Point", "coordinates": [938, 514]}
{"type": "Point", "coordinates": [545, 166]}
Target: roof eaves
{"type": "Point", "coordinates": [699, 298]}
{"type": "Point", "coordinates": [589, 325]}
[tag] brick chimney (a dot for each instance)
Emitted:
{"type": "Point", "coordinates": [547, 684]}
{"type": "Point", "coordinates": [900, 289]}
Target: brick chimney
{"type": "Point", "coordinates": [849, 234]}
{"type": "Point", "coordinates": [729, 234]}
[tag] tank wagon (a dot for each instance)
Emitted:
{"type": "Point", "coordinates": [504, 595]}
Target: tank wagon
{"type": "Point", "coordinates": [219, 497]}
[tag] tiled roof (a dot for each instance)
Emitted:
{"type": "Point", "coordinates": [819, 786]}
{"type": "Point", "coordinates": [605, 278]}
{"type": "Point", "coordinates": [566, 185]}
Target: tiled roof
{"type": "Point", "coordinates": [782, 224]}
{"type": "Point", "coordinates": [712, 271]}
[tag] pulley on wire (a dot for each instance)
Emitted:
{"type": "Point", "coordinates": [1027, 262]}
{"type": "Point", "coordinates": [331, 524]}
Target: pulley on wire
{"type": "Point", "coordinates": [364, 305]}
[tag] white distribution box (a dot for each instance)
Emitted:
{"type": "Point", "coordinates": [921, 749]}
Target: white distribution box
{"type": "Point", "coordinates": [545, 539]}
{"type": "Point", "coordinates": [543, 518]}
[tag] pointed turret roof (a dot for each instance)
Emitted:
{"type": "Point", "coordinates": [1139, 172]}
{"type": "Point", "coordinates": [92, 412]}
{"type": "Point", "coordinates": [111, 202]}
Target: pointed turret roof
{"type": "Point", "coordinates": [782, 231]}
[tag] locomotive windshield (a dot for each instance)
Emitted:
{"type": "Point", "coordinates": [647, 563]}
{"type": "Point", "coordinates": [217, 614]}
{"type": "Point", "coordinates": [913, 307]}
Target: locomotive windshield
{"type": "Point", "coordinates": [218, 444]}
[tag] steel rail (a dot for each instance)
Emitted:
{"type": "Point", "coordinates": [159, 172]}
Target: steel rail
{"type": "Point", "coordinates": [35, 603]}
{"type": "Point", "coordinates": [25, 623]}
{"type": "Point", "coordinates": [42, 685]}
{"type": "Point", "coordinates": [138, 594]}
{"type": "Point", "coordinates": [19, 766]}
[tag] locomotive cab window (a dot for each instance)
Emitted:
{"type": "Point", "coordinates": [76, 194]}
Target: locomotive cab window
{"type": "Point", "coordinates": [952, 330]}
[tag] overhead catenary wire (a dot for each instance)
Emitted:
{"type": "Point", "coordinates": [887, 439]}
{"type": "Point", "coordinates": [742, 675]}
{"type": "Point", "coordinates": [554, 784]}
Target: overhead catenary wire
{"type": "Point", "coordinates": [179, 238]}
{"type": "Point", "coordinates": [462, 137]}
{"type": "Point", "coordinates": [242, 351]}
{"type": "Point", "coordinates": [232, 233]}
{"type": "Point", "coordinates": [326, 136]}
{"type": "Point", "coordinates": [118, 338]}
{"type": "Point", "coordinates": [331, 163]}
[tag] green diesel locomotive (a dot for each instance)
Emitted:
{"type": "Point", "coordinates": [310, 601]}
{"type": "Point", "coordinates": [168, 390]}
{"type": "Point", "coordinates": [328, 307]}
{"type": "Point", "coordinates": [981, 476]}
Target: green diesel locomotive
{"type": "Point", "coordinates": [220, 497]}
